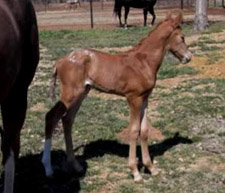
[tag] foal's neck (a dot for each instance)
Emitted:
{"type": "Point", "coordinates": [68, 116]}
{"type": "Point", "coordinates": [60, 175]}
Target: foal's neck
{"type": "Point", "coordinates": [155, 45]}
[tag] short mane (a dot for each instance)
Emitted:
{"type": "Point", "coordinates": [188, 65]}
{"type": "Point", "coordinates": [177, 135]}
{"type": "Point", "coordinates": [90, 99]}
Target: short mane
{"type": "Point", "coordinates": [143, 39]}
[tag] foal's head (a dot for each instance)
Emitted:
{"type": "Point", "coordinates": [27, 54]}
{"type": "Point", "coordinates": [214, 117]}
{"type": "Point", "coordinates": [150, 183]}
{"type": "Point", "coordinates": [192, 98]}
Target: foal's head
{"type": "Point", "coordinates": [176, 42]}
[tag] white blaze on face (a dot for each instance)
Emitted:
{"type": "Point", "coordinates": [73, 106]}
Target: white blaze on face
{"type": "Point", "coordinates": [46, 158]}
{"type": "Point", "coordinates": [9, 173]}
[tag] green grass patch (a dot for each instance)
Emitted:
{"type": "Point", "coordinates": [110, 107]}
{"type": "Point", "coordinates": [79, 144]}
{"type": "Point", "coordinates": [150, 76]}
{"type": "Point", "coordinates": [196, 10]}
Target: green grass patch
{"type": "Point", "coordinates": [170, 68]}
{"type": "Point", "coordinates": [62, 42]}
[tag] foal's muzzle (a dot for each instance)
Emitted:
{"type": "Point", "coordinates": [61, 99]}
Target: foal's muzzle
{"type": "Point", "coordinates": [187, 58]}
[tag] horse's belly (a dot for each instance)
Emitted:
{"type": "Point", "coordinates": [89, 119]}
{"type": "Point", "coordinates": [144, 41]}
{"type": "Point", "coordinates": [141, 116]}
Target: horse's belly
{"type": "Point", "coordinates": [139, 5]}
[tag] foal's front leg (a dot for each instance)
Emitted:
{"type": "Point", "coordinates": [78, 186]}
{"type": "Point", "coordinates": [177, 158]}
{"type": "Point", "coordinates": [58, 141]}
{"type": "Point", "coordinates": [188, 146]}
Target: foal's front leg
{"type": "Point", "coordinates": [145, 125]}
{"type": "Point", "coordinates": [134, 126]}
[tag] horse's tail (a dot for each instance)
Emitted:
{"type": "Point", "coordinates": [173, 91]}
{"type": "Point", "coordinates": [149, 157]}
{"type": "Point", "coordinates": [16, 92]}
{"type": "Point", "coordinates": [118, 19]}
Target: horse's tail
{"type": "Point", "coordinates": [117, 8]}
{"type": "Point", "coordinates": [53, 84]}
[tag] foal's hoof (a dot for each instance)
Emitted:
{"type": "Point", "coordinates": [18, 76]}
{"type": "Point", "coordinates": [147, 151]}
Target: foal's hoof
{"type": "Point", "coordinates": [138, 179]}
{"type": "Point", "coordinates": [154, 171]}
{"type": "Point", "coordinates": [48, 169]}
{"type": "Point", "coordinates": [49, 173]}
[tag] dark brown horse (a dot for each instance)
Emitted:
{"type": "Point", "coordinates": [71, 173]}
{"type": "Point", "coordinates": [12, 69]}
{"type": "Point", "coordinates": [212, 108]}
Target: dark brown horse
{"type": "Point", "coordinates": [19, 56]}
{"type": "Point", "coordinates": [146, 5]}
{"type": "Point", "coordinates": [131, 74]}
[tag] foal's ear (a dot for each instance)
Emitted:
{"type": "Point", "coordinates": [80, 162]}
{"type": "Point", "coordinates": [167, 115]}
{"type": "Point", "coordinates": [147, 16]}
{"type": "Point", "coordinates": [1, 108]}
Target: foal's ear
{"type": "Point", "coordinates": [168, 16]}
{"type": "Point", "coordinates": [178, 20]}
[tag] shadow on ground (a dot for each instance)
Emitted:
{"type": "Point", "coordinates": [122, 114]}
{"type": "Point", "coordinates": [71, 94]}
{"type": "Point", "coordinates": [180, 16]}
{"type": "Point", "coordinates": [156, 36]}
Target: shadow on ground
{"type": "Point", "coordinates": [30, 177]}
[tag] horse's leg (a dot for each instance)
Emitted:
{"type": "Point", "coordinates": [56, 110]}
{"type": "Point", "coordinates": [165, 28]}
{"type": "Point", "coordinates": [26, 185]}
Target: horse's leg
{"type": "Point", "coordinates": [134, 128]}
{"type": "Point", "coordinates": [145, 125]}
{"type": "Point", "coordinates": [151, 10]}
{"type": "Point", "coordinates": [68, 120]}
{"type": "Point", "coordinates": [145, 12]}
{"type": "Point", "coordinates": [127, 9]}
{"type": "Point", "coordinates": [119, 16]}
{"type": "Point", "coordinates": [13, 115]}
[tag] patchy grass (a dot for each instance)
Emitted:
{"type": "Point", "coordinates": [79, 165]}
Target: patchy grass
{"type": "Point", "coordinates": [170, 68]}
{"type": "Point", "coordinates": [61, 42]}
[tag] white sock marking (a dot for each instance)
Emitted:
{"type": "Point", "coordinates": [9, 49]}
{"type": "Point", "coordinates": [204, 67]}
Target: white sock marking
{"type": "Point", "coordinates": [46, 158]}
{"type": "Point", "coordinates": [9, 173]}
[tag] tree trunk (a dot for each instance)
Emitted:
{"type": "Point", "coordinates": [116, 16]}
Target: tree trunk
{"type": "Point", "coordinates": [201, 17]}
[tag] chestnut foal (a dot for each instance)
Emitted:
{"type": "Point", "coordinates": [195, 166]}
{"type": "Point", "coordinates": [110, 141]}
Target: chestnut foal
{"type": "Point", "coordinates": [131, 74]}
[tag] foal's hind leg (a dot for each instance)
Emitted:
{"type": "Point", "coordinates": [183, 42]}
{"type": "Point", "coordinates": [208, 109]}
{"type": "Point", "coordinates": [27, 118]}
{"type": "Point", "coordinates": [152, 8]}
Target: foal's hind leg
{"type": "Point", "coordinates": [51, 120]}
{"type": "Point", "coordinates": [68, 98]}
{"type": "Point", "coordinates": [68, 120]}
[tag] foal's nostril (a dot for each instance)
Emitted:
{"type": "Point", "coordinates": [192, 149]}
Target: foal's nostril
{"type": "Point", "coordinates": [188, 59]}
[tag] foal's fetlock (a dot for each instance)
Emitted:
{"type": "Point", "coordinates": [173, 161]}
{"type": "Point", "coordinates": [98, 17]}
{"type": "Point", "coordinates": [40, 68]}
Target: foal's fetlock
{"type": "Point", "coordinates": [154, 171]}
{"type": "Point", "coordinates": [135, 172]}
{"type": "Point", "coordinates": [151, 168]}
{"type": "Point", "coordinates": [48, 168]}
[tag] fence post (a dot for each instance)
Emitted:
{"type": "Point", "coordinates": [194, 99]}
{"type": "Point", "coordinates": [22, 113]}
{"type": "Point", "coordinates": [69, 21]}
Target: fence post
{"type": "Point", "coordinates": [91, 14]}
{"type": "Point", "coordinates": [182, 4]}
{"type": "Point", "coordinates": [46, 2]}
{"type": "Point", "coordinates": [102, 4]}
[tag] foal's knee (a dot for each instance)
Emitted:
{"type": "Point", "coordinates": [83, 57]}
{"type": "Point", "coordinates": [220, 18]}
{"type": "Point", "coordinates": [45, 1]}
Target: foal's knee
{"type": "Point", "coordinates": [144, 135]}
{"type": "Point", "coordinates": [134, 134]}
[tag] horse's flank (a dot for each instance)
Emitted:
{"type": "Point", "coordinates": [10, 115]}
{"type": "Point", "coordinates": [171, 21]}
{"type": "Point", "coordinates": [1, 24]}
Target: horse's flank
{"type": "Point", "coordinates": [120, 73]}
{"type": "Point", "coordinates": [4, 7]}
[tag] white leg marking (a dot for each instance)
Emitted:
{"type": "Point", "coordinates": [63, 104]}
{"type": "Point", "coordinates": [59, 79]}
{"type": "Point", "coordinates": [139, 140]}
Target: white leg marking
{"type": "Point", "coordinates": [9, 173]}
{"type": "Point", "coordinates": [46, 158]}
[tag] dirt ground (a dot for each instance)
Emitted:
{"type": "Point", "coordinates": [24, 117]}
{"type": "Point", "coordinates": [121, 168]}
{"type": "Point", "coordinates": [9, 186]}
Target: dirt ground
{"type": "Point", "coordinates": [58, 16]}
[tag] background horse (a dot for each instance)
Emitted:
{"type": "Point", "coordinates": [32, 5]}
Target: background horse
{"type": "Point", "coordinates": [146, 5]}
{"type": "Point", "coordinates": [72, 4]}
{"type": "Point", "coordinates": [19, 56]}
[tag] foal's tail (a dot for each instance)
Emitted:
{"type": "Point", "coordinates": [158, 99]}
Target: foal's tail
{"type": "Point", "coordinates": [117, 8]}
{"type": "Point", "coordinates": [53, 84]}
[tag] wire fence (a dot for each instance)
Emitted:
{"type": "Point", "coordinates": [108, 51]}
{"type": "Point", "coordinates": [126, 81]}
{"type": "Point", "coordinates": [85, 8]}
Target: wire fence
{"type": "Point", "coordinates": [183, 4]}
